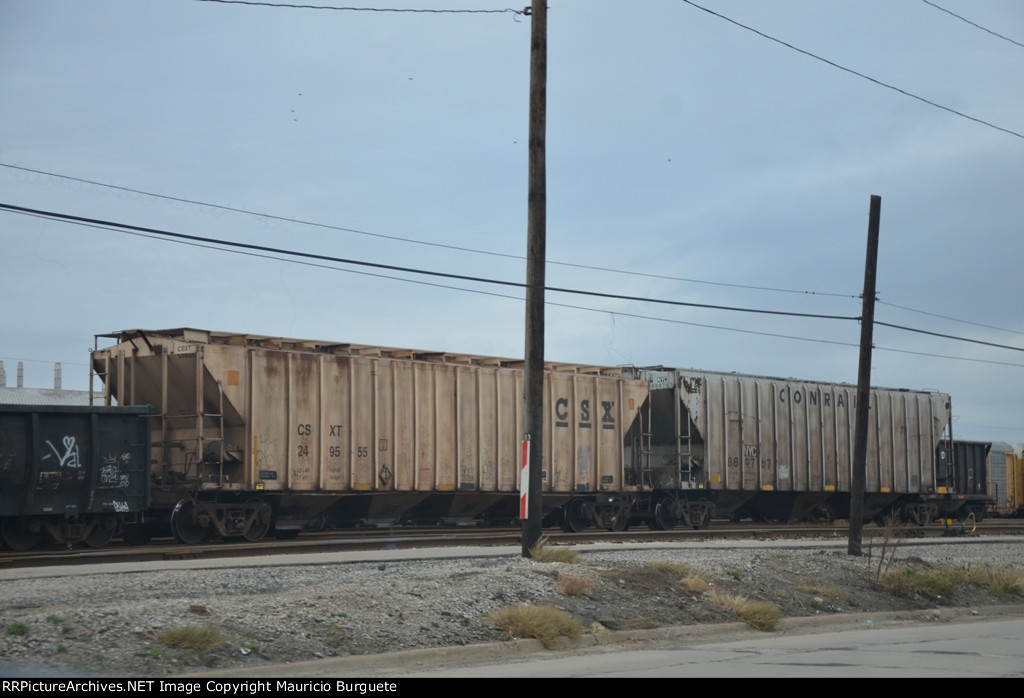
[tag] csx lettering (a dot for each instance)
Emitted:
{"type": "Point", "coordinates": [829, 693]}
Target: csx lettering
{"type": "Point", "coordinates": [585, 413]}
{"type": "Point", "coordinates": [305, 430]}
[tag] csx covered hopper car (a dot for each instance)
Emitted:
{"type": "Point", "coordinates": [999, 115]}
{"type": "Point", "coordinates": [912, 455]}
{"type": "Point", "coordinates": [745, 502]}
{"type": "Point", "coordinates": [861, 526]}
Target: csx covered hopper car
{"type": "Point", "coordinates": [254, 434]}
{"type": "Point", "coordinates": [71, 474]}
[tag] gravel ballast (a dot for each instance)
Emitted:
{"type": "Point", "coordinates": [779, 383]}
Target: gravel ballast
{"type": "Point", "coordinates": [111, 621]}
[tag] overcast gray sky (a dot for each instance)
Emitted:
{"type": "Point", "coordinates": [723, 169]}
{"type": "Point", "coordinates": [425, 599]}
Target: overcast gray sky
{"type": "Point", "coordinates": [689, 159]}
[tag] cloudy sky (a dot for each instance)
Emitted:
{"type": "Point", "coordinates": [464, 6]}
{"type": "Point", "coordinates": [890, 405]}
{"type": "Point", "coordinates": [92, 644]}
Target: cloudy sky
{"type": "Point", "coordinates": [722, 153]}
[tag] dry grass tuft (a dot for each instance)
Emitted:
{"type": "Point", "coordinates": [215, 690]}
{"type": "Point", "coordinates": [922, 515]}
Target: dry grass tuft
{"type": "Point", "coordinates": [1003, 583]}
{"type": "Point", "coordinates": [759, 615]}
{"type": "Point", "coordinates": [193, 637]}
{"type": "Point", "coordinates": [694, 583]}
{"type": "Point", "coordinates": [542, 552]}
{"type": "Point", "coordinates": [544, 623]}
{"type": "Point", "coordinates": [811, 587]}
{"type": "Point", "coordinates": [571, 585]}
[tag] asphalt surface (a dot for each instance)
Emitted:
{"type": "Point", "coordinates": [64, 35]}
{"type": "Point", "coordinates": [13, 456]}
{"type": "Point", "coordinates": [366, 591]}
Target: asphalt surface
{"type": "Point", "coordinates": [906, 639]}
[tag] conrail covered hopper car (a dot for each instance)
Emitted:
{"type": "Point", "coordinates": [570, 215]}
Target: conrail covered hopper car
{"type": "Point", "coordinates": [71, 474]}
{"type": "Point", "coordinates": [254, 434]}
{"type": "Point", "coordinates": [778, 449]}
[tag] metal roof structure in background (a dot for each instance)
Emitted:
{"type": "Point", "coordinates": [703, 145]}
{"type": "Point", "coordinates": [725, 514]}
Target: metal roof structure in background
{"type": "Point", "coordinates": [20, 395]}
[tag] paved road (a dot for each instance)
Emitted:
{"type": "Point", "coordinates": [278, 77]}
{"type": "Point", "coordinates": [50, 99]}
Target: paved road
{"type": "Point", "coordinates": [983, 649]}
{"type": "Point", "coordinates": [950, 643]}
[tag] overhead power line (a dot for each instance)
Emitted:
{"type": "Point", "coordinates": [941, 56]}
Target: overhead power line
{"type": "Point", "coordinates": [945, 336]}
{"type": "Point", "coordinates": [409, 270]}
{"type": "Point", "coordinates": [492, 294]}
{"type": "Point", "coordinates": [457, 248]}
{"type": "Point", "coordinates": [854, 72]}
{"type": "Point", "coordinates": [978, 26]}
{"type": "Point", "coordinates": [439, 245]}
{"type": "Point", "coordinates": [569, 306]}
{"type": "Point", "coordinates": [947, 317]}
{"type": "Point", "coordinates": [507, 10]}
{"type": "Point", "coordinates": [249, 248]}
{"type": "Point", "coordinates": [945, 356]}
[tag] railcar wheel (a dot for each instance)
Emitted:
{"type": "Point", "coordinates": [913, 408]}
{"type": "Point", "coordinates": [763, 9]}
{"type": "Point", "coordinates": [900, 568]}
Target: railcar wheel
{"type": "Point", "coordinates": [184, 524]}
{"type": "Point", "coordinates": [663, 518]}
{"type": "Point", "coordinates": [16, 536]}
{"type": "Point", "coordinates": [102, 532]}
{"type": "Point", "coordinates": [573, 518]}
{"type": "Point", "coordinates": [260, 525]}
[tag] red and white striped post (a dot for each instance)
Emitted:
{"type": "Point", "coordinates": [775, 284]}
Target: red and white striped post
{"type": "Point", "coordinates": [524, 480]}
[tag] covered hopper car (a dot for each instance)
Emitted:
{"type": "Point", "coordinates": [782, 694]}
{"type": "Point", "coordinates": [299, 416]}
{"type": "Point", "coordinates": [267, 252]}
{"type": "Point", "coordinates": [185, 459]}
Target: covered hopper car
{"type": "Point", "coordinates": [781, 449]}
{"type": "Point", "coordinates": [71, 474]}
{"type": "Point", "coordinates": [256, 434]}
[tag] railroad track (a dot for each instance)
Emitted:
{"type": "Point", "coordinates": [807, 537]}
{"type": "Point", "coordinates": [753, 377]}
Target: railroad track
{"type": "Point", "coordinates": [412, 538]}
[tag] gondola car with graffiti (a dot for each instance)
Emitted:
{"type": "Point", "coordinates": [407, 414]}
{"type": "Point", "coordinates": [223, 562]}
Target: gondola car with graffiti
{"type": "Point", "coordinates": [71, 474]}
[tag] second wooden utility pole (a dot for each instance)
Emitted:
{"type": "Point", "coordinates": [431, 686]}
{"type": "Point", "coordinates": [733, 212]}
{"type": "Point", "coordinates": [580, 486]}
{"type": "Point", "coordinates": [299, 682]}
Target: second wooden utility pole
{"type": "Point", "coordinates": [536, 232]}
{"type": "Point", "coordinates": [860, 436]}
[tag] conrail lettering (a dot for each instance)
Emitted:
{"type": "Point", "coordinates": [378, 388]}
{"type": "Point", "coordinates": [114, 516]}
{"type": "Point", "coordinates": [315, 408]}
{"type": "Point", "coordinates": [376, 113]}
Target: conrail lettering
{"type": "Point", "coordinates": [815, 397]}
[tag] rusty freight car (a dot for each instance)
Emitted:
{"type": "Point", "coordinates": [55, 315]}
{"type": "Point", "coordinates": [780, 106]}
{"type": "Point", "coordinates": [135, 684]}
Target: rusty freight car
{"type": "Point", "coordinates": [255, 434]}
{"type": "Point", "coordinates": [780, 449]}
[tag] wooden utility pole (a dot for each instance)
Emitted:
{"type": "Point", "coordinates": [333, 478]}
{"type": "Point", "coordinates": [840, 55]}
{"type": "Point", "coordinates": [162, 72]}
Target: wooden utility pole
{"type": "Point", "coordinates": [860, 443]}
{"type": "Point", "coordinates": [536, 233]}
